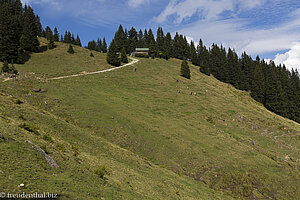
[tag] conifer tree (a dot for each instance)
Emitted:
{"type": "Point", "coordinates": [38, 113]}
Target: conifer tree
{"type": "Point", "coordinates": [92, 55]}
{"type": "Point", "coordinates": [78, 41]}
{"type": "Point", "coordinates": [152, 44]}
{"type": "Point", "coordinates": [124, 58]}
{"type": "Point", "coordinates": [9, 37]}
{"type": "Point", "coordinates": [258, 84]}
{"type": "Point", "coordinates": [112, 56]}
{"type": "Point", "coordinates": [56, 35]}
{"type": "Point", "coordinates": [160, 38]}
{"type": "Point", "coordinates": [71, 50]}
{"type": "Point", "coordinates": [193, 54]}
{"type": "Point", "coordinates": [132, 40]}
{"type": "Point", "coordinates": [29, 40]}
{"type": "Point", "coordinates": [185, 69]}
{"type": "Point", "coordinates": [65, 37]}
{"type": "Point", "coordinates": [5, 67]}
{"type": "Point", "coordinates": [104, 46]}
{"type": "Point", "coordinates": [39, 27]}
{"type": "Point", "coordinates": [140, 43]}
{"type": "Point", "coordinates": [120, 39]}
{"type": "Point", "coordinates": [47, 31]}
{"type": "Point", "coordinates": [92, 45]}
{"type": "Point", "coordinates": [50, 40]}
{"type": "Point", "coordinates": [99, 45]}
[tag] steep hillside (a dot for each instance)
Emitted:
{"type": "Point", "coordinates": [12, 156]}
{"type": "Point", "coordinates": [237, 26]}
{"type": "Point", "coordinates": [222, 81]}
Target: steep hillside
{"type": "Point", "coordinates": [156, 139]}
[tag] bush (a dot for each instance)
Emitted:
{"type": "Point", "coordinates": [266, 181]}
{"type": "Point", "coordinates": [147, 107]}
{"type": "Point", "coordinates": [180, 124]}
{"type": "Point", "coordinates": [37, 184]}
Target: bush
{"type": "Point", "coordinates": [22, 117]}
{"type": "Point", "coordinates": [61, 147]}
{"type": "Point", "coordinates": [140, 55]}
{"type": "Point", "coordinates": [18, 101]}
{"type": "Point", "coordinates": [30, 128]}
{"type": "Point", "coordinates": [75, 150]}
{"type": "Point", "coordinates": [71, 50]}
{"type": "Point", "coordinates": [48, 138]}
{"type": "Point", "coordinates": [9, 69]}
{"type": "Point", "coordinates": [101, 171]}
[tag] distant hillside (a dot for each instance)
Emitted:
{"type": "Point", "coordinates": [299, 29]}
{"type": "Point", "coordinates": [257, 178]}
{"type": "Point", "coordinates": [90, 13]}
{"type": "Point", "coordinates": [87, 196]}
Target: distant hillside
{"type": "Point", "coordinates": [144, 134]}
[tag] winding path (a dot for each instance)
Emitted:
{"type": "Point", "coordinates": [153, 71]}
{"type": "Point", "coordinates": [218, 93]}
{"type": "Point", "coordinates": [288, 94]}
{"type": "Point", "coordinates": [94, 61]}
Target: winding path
{"type": "Point", "coordinates": [97, 72]}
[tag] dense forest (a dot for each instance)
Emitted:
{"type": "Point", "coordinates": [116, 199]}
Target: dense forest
{"type": "Point", "coordinates": [274, 86]}
{"type": "Point", "coordinates": [20, 29]}
{"type": "Point", "coordinates": [277, 88]}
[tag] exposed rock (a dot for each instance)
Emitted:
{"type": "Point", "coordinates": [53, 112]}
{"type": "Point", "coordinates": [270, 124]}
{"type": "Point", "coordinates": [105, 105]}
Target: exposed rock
{"type": "Point", "coordinates": [253, 142]}
{"type": "Point", "coordinates": [35, 90]}
{"type": "Point", "coordinates": [134, 69]}
{"type": "Point", "coordinates": [49, 160]}
{"type": "Point", "coordinates": [38, 90]}
{"type": "Point", "coordinates": [195, 93]}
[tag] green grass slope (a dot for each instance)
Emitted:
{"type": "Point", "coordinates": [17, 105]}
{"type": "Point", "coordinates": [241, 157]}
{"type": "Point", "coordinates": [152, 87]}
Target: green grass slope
{"type": "Point", "coordinates": [155, 142]}
{"type": "Point", "coordinates": [58, 62]}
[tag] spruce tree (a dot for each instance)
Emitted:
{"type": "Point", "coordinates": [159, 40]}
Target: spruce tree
{"type": "Point", "coordinates": [39, 27]}
{"type": "Point", "coordinates": [50, 40]}
{"type": "Point", "coordinates": [92, 45]}
{"type": "Point", "coordinates": [258, 84]}
{"type": "Point", "coordinates": [71, 50]}
{"type": "Point", "coordinates": [140, 43]}
{"type": "Point", "coordinates": [92, 55]}
{"type": "Point", "coordinates": [104, 46]}
{"type": "Point", "coordinates": [112, 56]}
{"type": "Point", "coordinates": [120, 39]}
{"type": "Point", "coordinates": [5, 67]}
{"type": "Point", "coordinates": [47, 31]}
{"type": "Point", "coordinates": [185, 69]}
{"type": "Point", "coordinates": [99, 45]}
{"type": "Point", "coordinates": [9, 37]}
{"type": "Point", "coordinates": [124, 58]}
{"type": "Point", "coordinates": [29, 40]}
{"type": "Point", "coordinates": [56, 35]}
{"type": "Point", "coordinates": [160, 39]}
{"type": "Point", "coordinates": [167, 46]}
{"type": "Point", "coordinates": [73, 41]}
{"type": "Point", "coordinates": [132, 40]}
{"type": "Point", "coordinates": [193, 54]}
{"type": "Point", "coordinates": [78, 41]}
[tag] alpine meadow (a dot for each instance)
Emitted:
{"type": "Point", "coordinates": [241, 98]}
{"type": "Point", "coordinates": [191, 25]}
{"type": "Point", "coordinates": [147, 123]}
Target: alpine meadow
{"type": "Point", "coordinates": [141, 116]}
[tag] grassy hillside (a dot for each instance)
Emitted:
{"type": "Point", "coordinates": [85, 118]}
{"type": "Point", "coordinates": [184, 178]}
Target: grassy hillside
{"type": "Point", "coordinates": [155, 142]}
{"type": "Point", "coordinates": [58, 62]}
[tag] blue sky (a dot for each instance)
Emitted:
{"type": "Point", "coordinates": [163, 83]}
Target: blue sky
{"type": "Point", "coordinates": [269, 28]}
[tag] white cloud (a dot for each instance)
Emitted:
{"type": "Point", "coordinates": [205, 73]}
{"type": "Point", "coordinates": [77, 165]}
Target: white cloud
{"type": "Point", "coordinates": [137, 3]}
{"type": "Point", "coordinates": [53, 3]}
{"type": "Point", "coordinates": [290, 59]}
{"type": "Point", "coordinates": [25, 2]}
{"type": "Point", "coordinates": [236, 33]}
{"type": "Point", "coordinates": [233, 33]}
{"type": "Point", "coordinates": [206, 9]}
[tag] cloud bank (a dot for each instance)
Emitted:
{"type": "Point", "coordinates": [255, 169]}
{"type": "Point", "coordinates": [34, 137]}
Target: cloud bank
{"type": "Point", "coordinates": [290, 59]}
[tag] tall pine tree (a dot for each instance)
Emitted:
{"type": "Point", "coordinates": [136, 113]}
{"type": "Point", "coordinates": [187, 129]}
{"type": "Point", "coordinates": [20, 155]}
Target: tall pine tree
{"type": "Point", "coordinates": [185, 69]}
{"type": "Point", "coordinates": [112, 55]}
